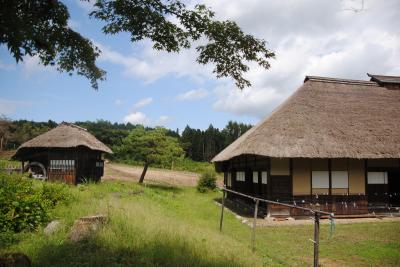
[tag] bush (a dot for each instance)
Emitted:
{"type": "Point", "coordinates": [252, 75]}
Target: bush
{"type": "Point", "coordinates": [207, 181]}
{"type": "Point", "coordinates": [25, 204]}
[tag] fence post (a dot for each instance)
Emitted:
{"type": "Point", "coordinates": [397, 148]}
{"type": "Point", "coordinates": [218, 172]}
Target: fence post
{"type": "Point", "coordinates": [253, 237]}
{"type": "Point", "coordinates": [316, 238]}
{"type": "Point", "coordinates": [222, 210]}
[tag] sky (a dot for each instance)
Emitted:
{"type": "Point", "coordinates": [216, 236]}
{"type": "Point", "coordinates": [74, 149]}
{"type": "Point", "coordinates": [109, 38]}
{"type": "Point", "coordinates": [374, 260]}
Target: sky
{"type": "Point", "coordinates": [334, 38]}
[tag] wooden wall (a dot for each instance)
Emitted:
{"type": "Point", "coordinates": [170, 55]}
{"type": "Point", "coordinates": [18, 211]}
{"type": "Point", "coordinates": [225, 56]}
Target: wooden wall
{"type": "Point", "coordinates": [301, 177]}
{"type": "Point", "coordinates": [356, 176]}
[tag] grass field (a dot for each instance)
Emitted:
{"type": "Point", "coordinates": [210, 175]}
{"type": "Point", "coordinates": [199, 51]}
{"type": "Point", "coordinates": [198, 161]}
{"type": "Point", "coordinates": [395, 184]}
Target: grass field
{"type": "Point", "coordinates": [161, 226]}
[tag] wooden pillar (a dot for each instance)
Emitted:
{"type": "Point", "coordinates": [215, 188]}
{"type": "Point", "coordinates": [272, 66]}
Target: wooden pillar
{"type": "Point", "coordinates": [330, 177]}
{"type": "Point", "coordinates": [316, 238]}
{"type": "Point", "coordinates": [253, 237]}
{"type": "Point", "coordinates": [222, 210]}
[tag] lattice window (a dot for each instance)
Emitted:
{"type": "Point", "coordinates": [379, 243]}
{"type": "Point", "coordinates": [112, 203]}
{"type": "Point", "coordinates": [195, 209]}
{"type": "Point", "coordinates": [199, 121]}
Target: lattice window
{"type": "Point", "coordinates": [240, 176]}
{"type": "Point", "coordinates": [62, 164]}
{"type": "Point", "coordinates": [255, 177]}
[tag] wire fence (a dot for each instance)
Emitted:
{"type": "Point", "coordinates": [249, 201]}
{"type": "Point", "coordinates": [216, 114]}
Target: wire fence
{"type": "Point", "coordinates": [316, 217]}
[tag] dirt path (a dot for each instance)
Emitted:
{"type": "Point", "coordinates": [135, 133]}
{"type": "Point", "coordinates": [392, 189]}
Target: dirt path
{"type": "Point", "coordinates": [114, 171]}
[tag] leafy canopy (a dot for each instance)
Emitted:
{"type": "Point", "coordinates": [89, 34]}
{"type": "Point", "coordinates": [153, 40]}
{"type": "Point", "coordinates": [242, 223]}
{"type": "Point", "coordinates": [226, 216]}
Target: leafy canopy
{"type": "Point", "coordinates": [151, 146]}
{"type": "Point", "coordinates": [40, 28]}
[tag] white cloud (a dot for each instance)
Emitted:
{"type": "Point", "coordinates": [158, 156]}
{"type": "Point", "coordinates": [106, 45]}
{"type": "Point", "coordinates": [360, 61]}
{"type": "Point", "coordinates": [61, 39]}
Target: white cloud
{"type": "Point", "coordinates": [136, 118]}
{"type": "Point", "coordinates": [162, 121]}
{"type": "Point", "coordinates": [309, 37]}
{"type": "Point", "coordinates": [86, 5]}
{"type": "Point", "coordinates": [141, 118]}
{"type": "Point", "coordinates": [32, 66]}
{"type": "Point", "coordinates": [152, 65]}
{"type": "Point", "coordinates": [255, 102]}
{"type": "Point", "coordinates": [193, 94]}
{"type": "Point", "coordinates": [143, 102]}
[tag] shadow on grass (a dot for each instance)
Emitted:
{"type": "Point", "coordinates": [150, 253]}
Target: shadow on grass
{"type": "Point", "coordinates": [242, 208]}
{"type": "Point", "coordinates": [91, 252]}
{"type": "Point", "coordinates": [167, 188]}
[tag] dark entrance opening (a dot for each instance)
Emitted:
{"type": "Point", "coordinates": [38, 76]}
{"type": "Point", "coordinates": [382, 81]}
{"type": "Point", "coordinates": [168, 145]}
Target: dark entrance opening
{"type": "Point", "coordinates": [281, 188]}
{"type": "Point", "coordinates": [394, 187]}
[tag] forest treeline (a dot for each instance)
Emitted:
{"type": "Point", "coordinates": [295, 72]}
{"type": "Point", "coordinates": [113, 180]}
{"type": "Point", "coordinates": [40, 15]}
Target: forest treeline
{"type": "Point", "coordinates": [199, 145]}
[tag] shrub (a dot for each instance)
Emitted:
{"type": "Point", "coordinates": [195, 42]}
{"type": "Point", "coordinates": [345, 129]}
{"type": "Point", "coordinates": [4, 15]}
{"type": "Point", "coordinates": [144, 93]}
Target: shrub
{"type": "Point", "coordinates": [207, 181]}
{"type": "Point", "coordinates": [25, 204]}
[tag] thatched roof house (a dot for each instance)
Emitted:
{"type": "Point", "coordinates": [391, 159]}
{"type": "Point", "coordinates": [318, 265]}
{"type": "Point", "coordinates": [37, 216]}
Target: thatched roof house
{"type": "Point", "coordinates": [67, 152]}
{"type": "Point", "coordinates": [327, 124]}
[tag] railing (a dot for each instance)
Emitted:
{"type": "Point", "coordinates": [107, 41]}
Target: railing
{"type": "Point", "coordinates": [317, 215]}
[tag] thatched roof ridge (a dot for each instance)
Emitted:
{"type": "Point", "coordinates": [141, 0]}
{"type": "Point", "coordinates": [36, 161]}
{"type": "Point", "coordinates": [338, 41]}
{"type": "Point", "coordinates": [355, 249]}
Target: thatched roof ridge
{"type": "Point", "coordinates": [65, 135]}
{"type": "Point", "coordinates": [384, 79]}
{"type": "Point", "coordinates": [327, 118]}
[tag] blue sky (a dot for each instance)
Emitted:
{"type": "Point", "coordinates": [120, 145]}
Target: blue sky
{"type": "Point", "coordinates": [326, 38]}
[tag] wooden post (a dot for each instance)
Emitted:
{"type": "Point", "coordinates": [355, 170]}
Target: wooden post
{"type": "Point", "coordinates": [222, 210]}
{"type": "Point", "coordinates": [253, 237]}
{"type": "Point", "coordinates": [316, 238]}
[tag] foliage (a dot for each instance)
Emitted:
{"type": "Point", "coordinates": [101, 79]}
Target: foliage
{"type": "Point", "coordinates": [187, 164]}
{"type": "Point", "coordinates": [168, 226]}
{"type": "Point", "coordinates": [151, 146]}
{"type": "Point", "coordinates": [40, 28]}
{"type": "Point", "coordinates": [204, 145]}
{"type": "Point", "coordinates": [199, 145]}
{"type": "Point", "coordinates": [5, 124]}
{"type": "Point", "coordinates": [25, 205]}
{"type": "Point", "coordinates": [207, 181]}
{"type": "Point", "coordinates": [21, 131]}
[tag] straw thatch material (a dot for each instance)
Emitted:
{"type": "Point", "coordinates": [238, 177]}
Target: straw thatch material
{"type": "Point", "coordinates": [65, 135]}
{"type": "Point", "coordinates": [327, 118]}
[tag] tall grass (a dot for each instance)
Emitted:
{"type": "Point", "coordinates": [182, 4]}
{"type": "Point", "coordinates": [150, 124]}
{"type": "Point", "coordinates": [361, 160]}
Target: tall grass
{"type": "Point", "coordinates": [153, 225]}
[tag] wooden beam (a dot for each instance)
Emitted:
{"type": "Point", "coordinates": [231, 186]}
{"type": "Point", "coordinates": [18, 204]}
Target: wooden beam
{"type": "Point", "coordinates": [316, 238]}
{"type": "Point", "coordinates": [253, 237]}
{"type": "Point", "coordinates": [222, 211]}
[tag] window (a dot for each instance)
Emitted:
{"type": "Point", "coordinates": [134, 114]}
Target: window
{"type": "Point", "coordinates": [264, 176]}
{"type": "Point", "coordinates": [240, 176]}
{"type": "Point", "coordinates": [255, 177]}
{"type": "Point", "coordinates": [228, 179]}
{"type": "Point", "coordinates": [377, 178]}
{"type": "Point", "coordinates": [340, 179]}
{"type": "Point", "coordinates": [99, 164]}
{"type": "Point", "coordinates": [320, 179]}
{"type": "Point", "coordinates": [56, 164]}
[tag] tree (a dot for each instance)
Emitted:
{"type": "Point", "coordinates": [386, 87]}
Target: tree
{"type": "Point", "coordinates": [151, 147]}
{"type": "Point", "coordinates": [5, 124]}
{"type": "Point", "coordinates": [40, 28]}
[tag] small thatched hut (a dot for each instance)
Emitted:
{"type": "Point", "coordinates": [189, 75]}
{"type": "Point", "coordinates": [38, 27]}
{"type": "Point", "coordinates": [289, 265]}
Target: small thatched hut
{"type": "Point", "coordinates": [334, 143]}
{"type": "Point", "coordinates": [66, 153]}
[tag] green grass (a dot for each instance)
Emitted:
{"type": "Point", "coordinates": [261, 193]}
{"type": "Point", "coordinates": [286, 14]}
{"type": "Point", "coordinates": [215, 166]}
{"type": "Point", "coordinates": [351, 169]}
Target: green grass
{"type": "Point", "coordinates": [180, 164]}
{"type": "Point", "coordinates": [162, 226]}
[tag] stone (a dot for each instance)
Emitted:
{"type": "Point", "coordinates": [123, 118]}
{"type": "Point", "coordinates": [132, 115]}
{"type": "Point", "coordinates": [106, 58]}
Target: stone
{"type": "Point", "coordinates": [85, 226]}
{"type": "Point", "coordinates": [52, 227]}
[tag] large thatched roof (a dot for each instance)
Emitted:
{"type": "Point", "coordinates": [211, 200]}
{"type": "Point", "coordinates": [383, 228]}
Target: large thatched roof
{"type": "Point", "coordinates": [327, 118]}
{"type": "Point", "coordinates": [65, 135]}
